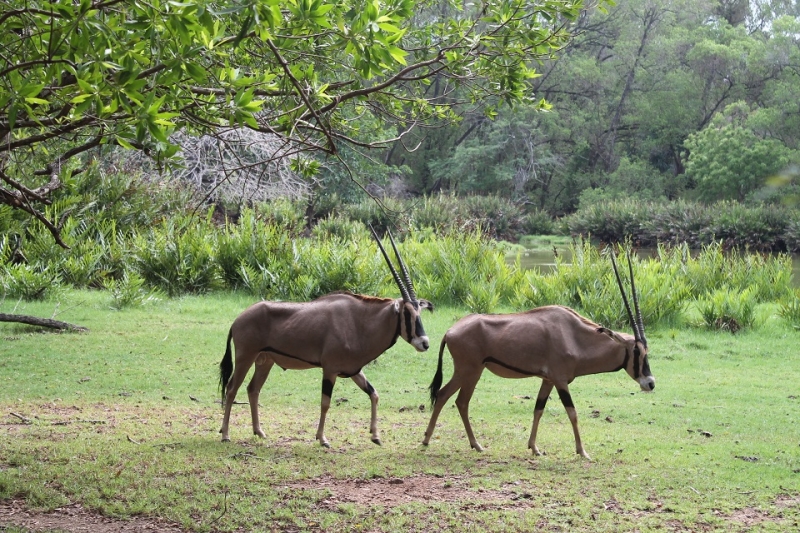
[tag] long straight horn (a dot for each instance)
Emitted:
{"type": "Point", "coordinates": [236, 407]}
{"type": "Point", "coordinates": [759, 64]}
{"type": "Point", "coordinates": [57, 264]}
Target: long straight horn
{"type": "Point", "coordinates": [397, 280]}
{"type": "Point", "coordinates": [639, 322]}
{"type": "Point", "coordinates": [406, 276]}
{"type": "Point", "coordinates": [624, 298]}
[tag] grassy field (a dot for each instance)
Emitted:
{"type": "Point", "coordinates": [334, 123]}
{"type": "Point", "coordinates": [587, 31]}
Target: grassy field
{"type": "Point", "coordinates": [124, 420]}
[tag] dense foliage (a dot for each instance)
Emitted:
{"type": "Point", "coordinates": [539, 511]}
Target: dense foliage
{"type": "Point", "coordinates": [78, 76]}
{"type": "Point", "coordinates": [138, 244]}
{"type": "Point", "coordinates": [677, 99]}
{"type": "Point", "coordinates": [760, 227]}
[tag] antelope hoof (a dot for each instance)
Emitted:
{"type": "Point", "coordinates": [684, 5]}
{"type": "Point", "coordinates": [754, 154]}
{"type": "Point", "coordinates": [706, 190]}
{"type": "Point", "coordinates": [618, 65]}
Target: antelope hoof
{"type": "Point", "coordinates": [325, 444]}
{"type": "Point", "coordinates": [535, 450]}
{"type": "Point", "coordinates": [377, 441]}
{"type": "Point", "coordinates": [260, 433]}
{"type": "Point", "coordinates": [477, 447]}
{"type": "Point", "coordinates": [226, 438]}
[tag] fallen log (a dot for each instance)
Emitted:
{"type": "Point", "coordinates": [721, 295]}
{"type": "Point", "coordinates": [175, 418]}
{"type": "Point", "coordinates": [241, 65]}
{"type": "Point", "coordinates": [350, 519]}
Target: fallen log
{"type": "Point", "coordinates": [43, 322]}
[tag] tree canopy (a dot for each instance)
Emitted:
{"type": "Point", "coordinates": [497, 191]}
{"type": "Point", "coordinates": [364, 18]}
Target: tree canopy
{"type": "Point", "coordinates": [75, 76]}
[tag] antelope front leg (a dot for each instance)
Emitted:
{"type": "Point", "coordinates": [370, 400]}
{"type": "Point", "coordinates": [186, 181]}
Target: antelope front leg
{"type": "Point", "coordinates": [361, 380]}
{"type": "Point", "coordinates": [538, 410]}
{"type": "Point", "coordinates": [327, 392]}
{"type": "Point", "coordinates": [566, 400]}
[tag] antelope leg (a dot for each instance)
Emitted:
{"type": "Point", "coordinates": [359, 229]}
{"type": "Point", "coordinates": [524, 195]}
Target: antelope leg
{"type": "Point", "coordinates": [566, 399]}
{"type": "Point", "coordinates": [541, 401]}
{"type": "Point", "coordinates": [263, 366]}
{"type": "Point", "coordinates": [441, 398]}
{"type": "Point", "coordinates": [361, 380]}
{"type": "Point", "coordinates": [462, 402]}
{"type": "Point", "coordinates": [327, 392]}
{"type": "Point", "coordinates": [239, 373]}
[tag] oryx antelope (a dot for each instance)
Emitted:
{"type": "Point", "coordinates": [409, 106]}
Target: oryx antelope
{"type": "Point", "coordinates": [339, 333]}
{"type": "Point", "coordinates": [554, 343]}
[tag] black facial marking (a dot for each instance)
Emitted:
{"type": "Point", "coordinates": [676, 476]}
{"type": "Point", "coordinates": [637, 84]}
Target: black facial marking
{"type": "Point", "coordinates": [419, 328]}
{"type": "Point", "coordinates": [540, 403]}
{"type": "Point", "coordinates": [636, 354]}
{"type": "Point", "coordinates": [407, 317]}
{"type": "Point", "coordinates": [646, 367]}
{"type": "Point", "coordinates": [327, 388]}
{"type": "Point", "coordinates": [566, 399]}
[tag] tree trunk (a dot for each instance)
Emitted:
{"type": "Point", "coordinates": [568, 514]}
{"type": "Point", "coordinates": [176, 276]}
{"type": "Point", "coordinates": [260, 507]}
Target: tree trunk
{"type": "Point", "coordinates": [43, 322]}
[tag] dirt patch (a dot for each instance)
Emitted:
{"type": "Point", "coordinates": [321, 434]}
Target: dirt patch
{"type": "Point", "coordinates": [76, 519]}
{"type": "Point", "coordinates": [414, 489]}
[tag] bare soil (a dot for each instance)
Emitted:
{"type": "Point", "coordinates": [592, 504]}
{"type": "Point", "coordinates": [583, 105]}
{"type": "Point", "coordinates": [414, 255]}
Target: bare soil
{"type": "Point", "coordinates": [374, 492]}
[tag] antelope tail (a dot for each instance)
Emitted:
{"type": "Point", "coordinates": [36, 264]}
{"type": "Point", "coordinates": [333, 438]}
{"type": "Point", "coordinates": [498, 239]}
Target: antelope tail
{"type": "Point", "coordinates": [226, 368]}
{"type": "Point", "coordinates": [436, 384]}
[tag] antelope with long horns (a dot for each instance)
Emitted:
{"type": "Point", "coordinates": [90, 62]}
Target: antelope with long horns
{"type": "Point", "coordinates": [339, 333]}
{"type": "Point", "coordinates": [554, 343]}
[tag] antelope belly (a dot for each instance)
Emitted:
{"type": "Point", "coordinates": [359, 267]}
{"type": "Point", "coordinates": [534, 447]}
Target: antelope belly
{"type": "Point", "coordinates": [508, 371]}
{"type": "Point", "coordinates": [292, 363]}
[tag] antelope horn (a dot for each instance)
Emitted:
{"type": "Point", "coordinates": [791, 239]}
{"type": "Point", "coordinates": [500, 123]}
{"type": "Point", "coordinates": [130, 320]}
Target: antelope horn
{"type": "Point", "coordinates": [639, 322]}
{"type": "Point", "coordinates": [625, 298]}
{"type": "Point", "coordinates": [407, 278]}
{"type": "Point", "coordinates": [403, 289]}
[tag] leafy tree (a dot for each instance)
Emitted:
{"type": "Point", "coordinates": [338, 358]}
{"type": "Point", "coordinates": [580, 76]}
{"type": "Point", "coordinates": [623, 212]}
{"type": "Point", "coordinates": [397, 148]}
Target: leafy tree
{"type": "Point", "coordinates": [79, 75]}
{"type": "Point", "coordinates": [729, 161]}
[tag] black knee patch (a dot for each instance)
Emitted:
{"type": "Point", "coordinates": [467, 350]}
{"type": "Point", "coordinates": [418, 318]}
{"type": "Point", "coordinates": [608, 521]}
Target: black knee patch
{"type": "Point", "coordinates": [369, 389]}
{"type": "Point", "coordinates": [540, 403]}
{"type": "Point", "coordinates": [566, 399]}
{"type": "Point", "coordinates": [327, 387]}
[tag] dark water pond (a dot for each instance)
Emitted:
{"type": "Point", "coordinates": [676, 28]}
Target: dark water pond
{"type": "Point", "coordinates": [545, 261]}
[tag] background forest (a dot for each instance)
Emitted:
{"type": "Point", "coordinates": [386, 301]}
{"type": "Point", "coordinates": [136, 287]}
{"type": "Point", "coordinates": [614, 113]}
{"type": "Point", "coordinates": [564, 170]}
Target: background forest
{"type": "Point", "coordinates": [697, 100]}
{"type": "Point", "coordinates": [680, 101]}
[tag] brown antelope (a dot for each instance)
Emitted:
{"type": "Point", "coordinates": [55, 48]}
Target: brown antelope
{"type": "Point", "coordinates": [339, 333]}
{"type": "Point", "coordinates": [554, 343]}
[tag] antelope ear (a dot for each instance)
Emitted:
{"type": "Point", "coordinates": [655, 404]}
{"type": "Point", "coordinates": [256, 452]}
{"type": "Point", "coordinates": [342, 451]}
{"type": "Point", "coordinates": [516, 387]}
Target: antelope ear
{"type": "Point", "coordinates": [425, 304]}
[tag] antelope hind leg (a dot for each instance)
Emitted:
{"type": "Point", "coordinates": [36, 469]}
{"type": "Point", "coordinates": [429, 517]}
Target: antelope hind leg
{"type": "Point", "coordinates": [239, 373]}
{"type": "Point", "coordinates": [462, 402]}
{"type": "Point", "coordinates": [538, 410]}
{"type": "Point", "coordinates": [263, 366]}
{"type": "Point", "coordinates": [441, 398]}
{"type": "Point", "coordinates": [327, 392]}
{"type": "Point", "coordinates": [361, 380]}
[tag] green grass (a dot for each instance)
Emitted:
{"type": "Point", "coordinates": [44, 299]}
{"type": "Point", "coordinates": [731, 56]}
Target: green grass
{"type": "Point", "coordinates": [124, 420]}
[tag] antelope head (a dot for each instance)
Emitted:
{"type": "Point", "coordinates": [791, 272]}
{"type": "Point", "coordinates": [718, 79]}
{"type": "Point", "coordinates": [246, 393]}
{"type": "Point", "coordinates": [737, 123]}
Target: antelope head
{"type": "Point", "coordinates": [410, 308]}
{"type": "Point", "coordinates": [635, 364]}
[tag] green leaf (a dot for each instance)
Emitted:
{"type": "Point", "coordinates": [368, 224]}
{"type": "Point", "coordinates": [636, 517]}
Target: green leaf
{"type": "Point", "coordinates": [80, 98]}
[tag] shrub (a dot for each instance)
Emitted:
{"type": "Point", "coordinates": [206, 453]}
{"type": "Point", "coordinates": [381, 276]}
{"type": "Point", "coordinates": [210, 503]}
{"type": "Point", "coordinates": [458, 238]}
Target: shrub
{"type": "Point", "coordinates": [129, 291]}
{"type": "Point", "coordinates": [178, 257]}
{"type": "Point", "coordinates": [789, 308]}
{"type": "Point", "coordinates": [537, 222]}
{"type": "Point", "coordinates": [29, 282]}
{"type": "Point", "coordinates": [728, 310]}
